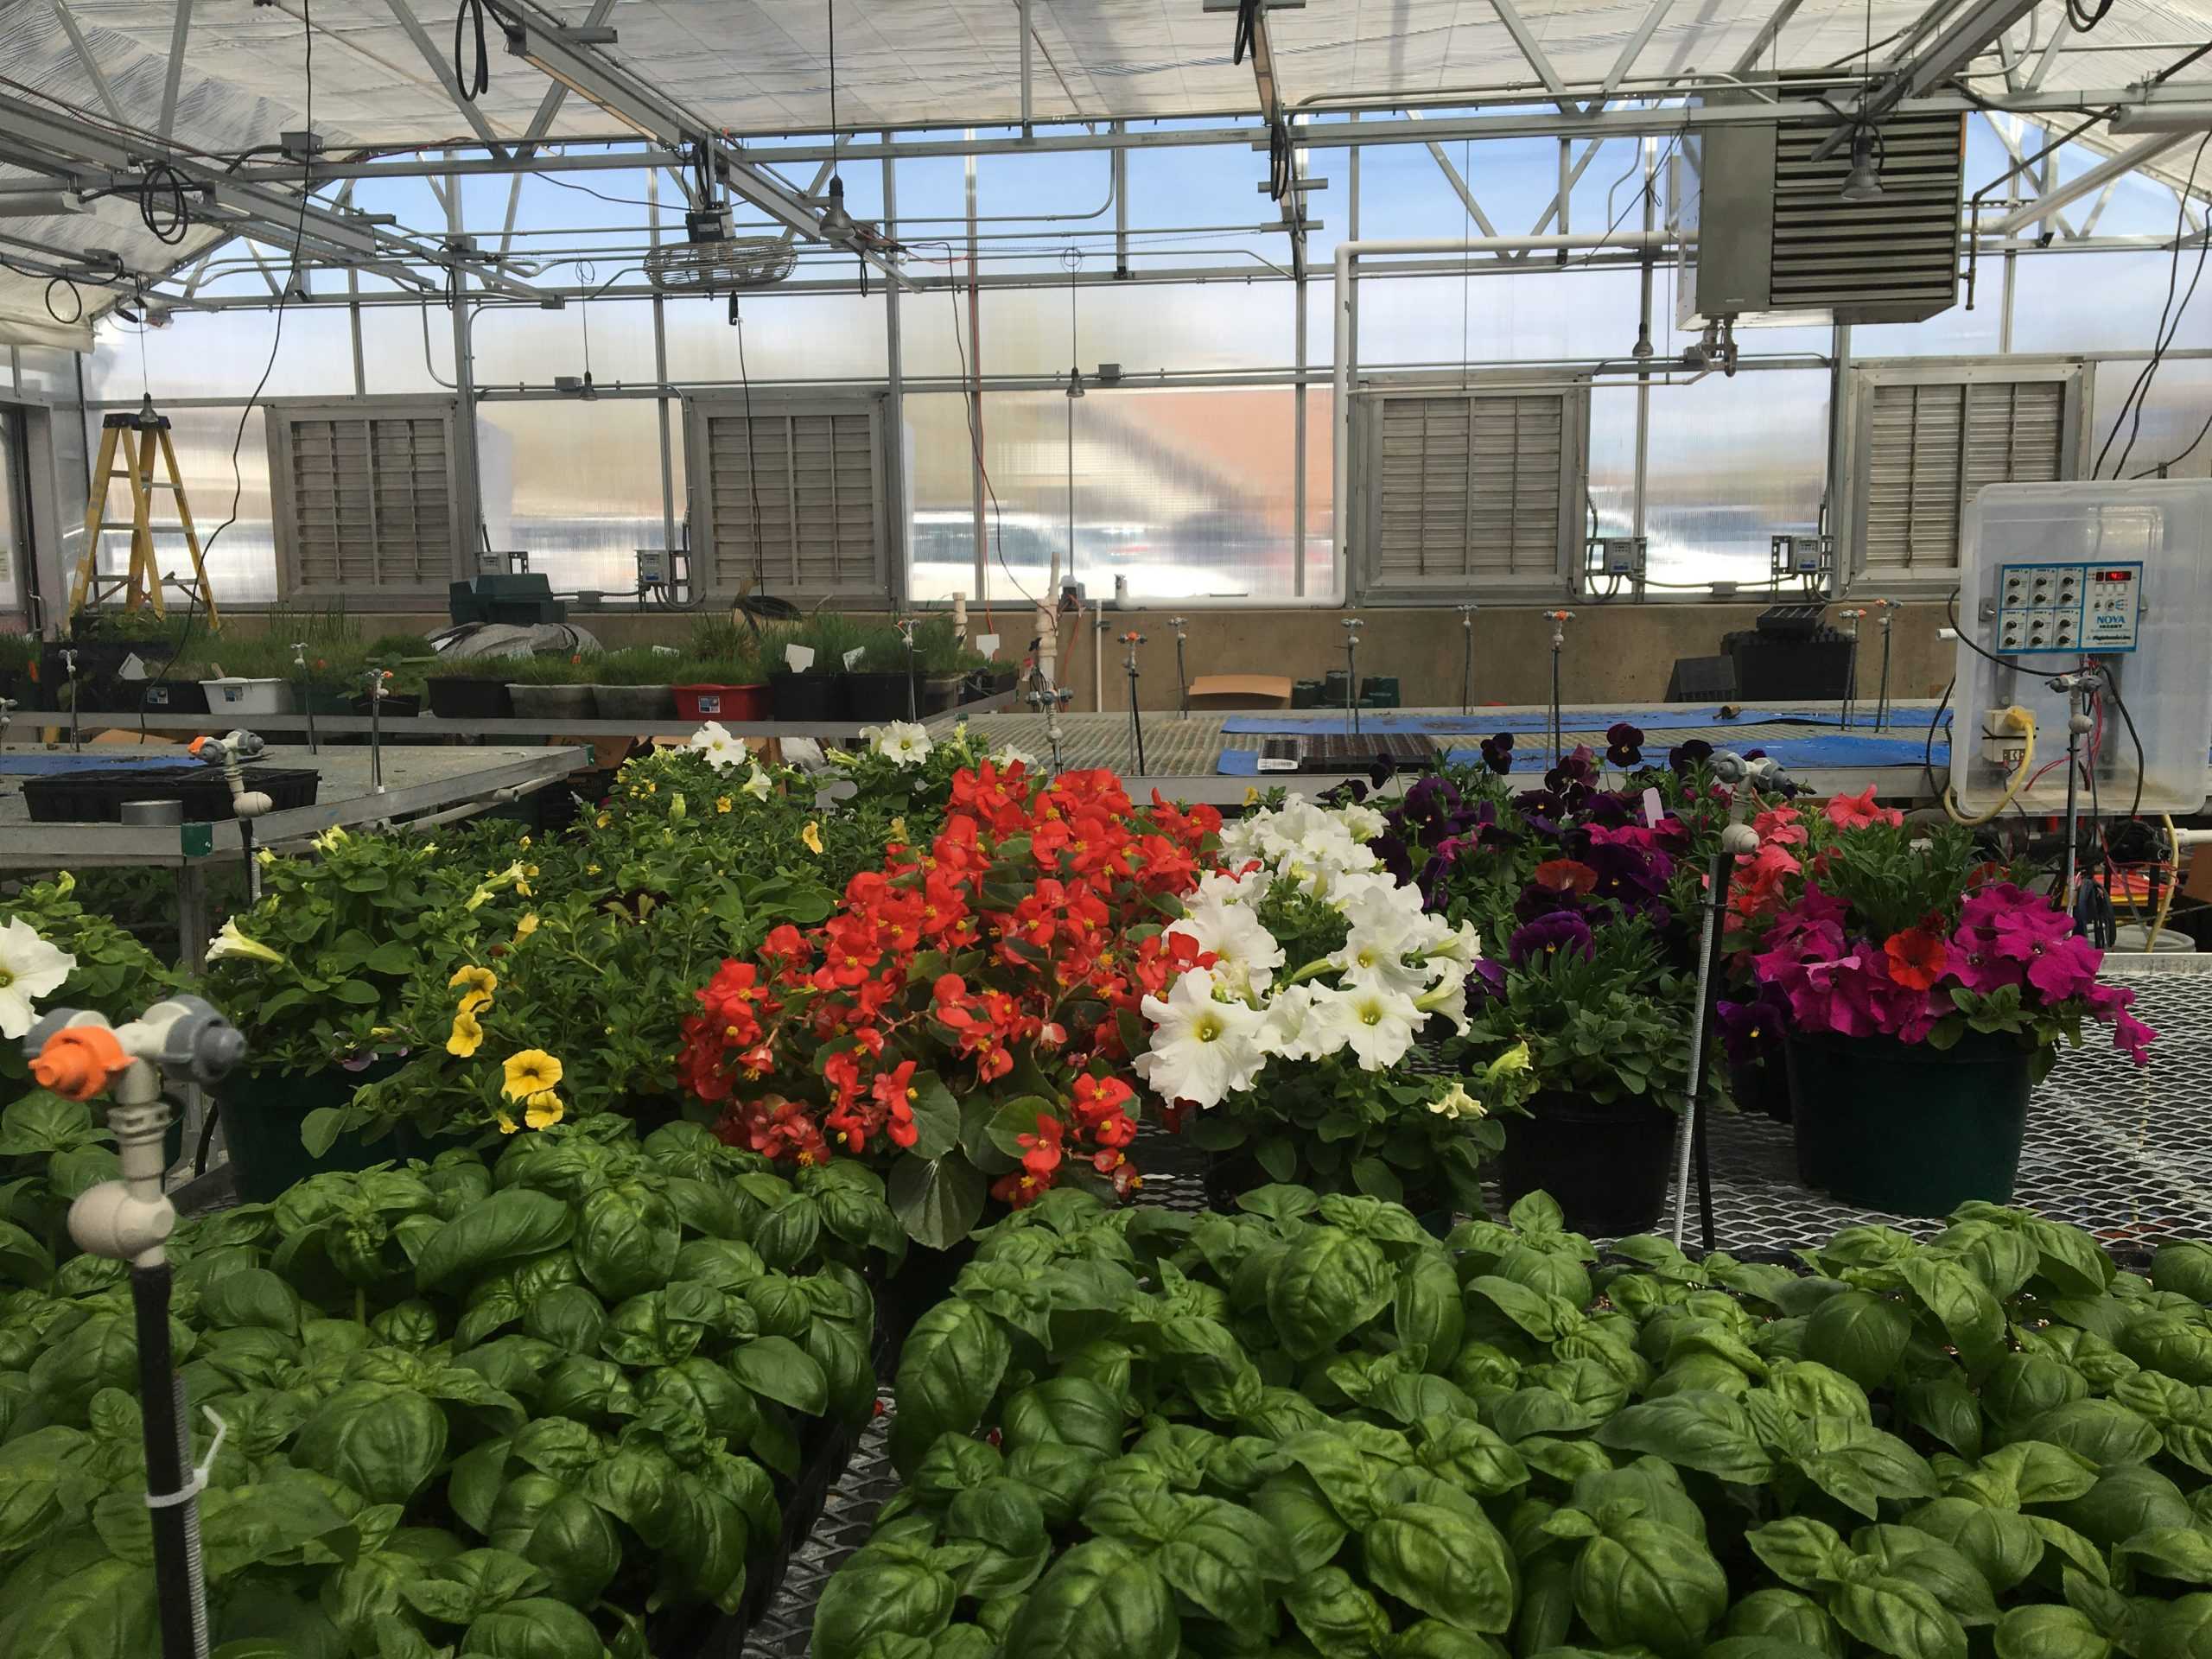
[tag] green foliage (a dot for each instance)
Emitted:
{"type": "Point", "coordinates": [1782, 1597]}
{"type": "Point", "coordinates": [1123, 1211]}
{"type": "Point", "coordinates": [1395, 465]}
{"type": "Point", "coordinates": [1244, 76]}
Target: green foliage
{"type": "Point", "coordinates": [634, 665]}
{"type": "Point", "coordinates": [550, 668]}
{"type": "Point", "coordinates": [456, 1414]}
{"type": "Point", "coordinates": [1310, 1428]}
{"type": "Point", "coordinates": [501, 669]}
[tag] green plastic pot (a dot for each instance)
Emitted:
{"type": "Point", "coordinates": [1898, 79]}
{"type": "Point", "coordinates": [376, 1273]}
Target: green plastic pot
{"type": "Point", "coordinates": [262, 1118]}
{"type": "Point", "coordinates": [1606, 1167]}
{"type": "Point", "coordinates": [1906, 1129]}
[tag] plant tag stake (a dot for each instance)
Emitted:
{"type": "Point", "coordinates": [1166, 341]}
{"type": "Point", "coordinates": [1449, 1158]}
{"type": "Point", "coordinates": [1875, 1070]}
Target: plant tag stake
{"type": "Point", "coordinates": [988, 644]}
{"type": "Point", "coordinates": [800, 657]}
{"type": "Point", "coordinates": [1653, 812]}
{"type": "Point", "coordinates": [853, 656]}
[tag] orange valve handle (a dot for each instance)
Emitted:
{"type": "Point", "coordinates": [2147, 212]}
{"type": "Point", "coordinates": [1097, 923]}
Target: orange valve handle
{"type": "Point", "coordinates": [78, 1061]}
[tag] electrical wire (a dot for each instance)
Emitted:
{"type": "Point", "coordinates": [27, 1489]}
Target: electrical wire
{"type": "Point", "coordinates": [1673, 138]}
{"type": "Point", "coordinates": [470, 81]}
{"type": "Point", "coordinates": [751, 472]}
{"type": "Point", "coordinates": [2163, 336]}
{"type": "Point", "coordinates": [169, 228]}
{"type": "Point", "coordinates": [2112, 690]}
{"type": "Point", "coordinates": [2173, 884]}
{"type": "Point", "coordinates": [2026, 720]}
{"type": "Point", "coordinates": [975, 432]}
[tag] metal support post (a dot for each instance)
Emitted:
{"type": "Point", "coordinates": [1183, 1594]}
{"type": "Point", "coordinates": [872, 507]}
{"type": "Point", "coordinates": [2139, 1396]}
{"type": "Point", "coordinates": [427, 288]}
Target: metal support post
{"type": "Point", "coordinates": [1182, 681]}
{"type": "Point", "coordinates": [1353, 626]}
{"type": "Point", "coordinates": [1738, 840]}
{"type": "Point", "coordinates": [1136, 720]}
{"type": "Point", "coordinates": [906, 626]}
{"type": "Point", "coordinates": [1851, 620]}
{"type": "Point", "coordinates": [1467, 659]}
{"type": "Point", "coordinates": [307, 692]}
{"type": "Point", "coordinates": [1887, 612]}
{"type": "Point", "coordinates": [69, 669]}
{"type": "Point", "coordinates": [1559, 621]}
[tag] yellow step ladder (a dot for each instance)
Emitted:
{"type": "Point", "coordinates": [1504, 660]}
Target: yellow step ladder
{"type": "Point", "coordinates": [139, 436]}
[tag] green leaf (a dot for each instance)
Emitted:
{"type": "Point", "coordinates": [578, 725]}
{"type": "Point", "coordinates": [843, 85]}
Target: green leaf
{"type": "Point", "coordinates": [2108, 1434]}
{"type": "Point", "coordinates": [2049, 1632]}
{"type": "Point", "coordinates": [1642, 1583]}
{"type": "Point", "coordinates": [948, 1371]}
{"type": "Point", "coordinates": [2180, 1553]}
{"type": "Point", "coordinates": [1227, 1560]}
{"type": "Point", "coordinates": [1898, 1618]}
{"type": "Point", "coordinates": [534, 1628]}
{"type": "Point", "coordinates": [1323, 1287]}
{"type": "Point", "coordinates": [1861, 1335]}
{"type": "Point", "coordinates": [517, 1222]}
{"type": "Point", "coordinates": [939, 1200]}
{"type": "Point", "coordinates": [1969, 1314]}
{"type": "Point", "coordinates": [937, 1115]}
{"type": "Point", "coordinates": [779, 1370]}
{"type": "Point", "coordinates": [1100, 1600]}
{"type": "Point", "coordinates": [1448, 1565]}
{"type": "Point", "coordinates": [463, 1589]}
{"type": "Point", "coordinates": [384, 1442]}
{"type": "Point", "coordinates": [1338, 1617]}
{"type": "Point", "coordinates": [1695, 1429]}
{"type": "Point", "coordinates": [1806, 1553]}
{"type": "Point", "coordinates": [626, 1241]}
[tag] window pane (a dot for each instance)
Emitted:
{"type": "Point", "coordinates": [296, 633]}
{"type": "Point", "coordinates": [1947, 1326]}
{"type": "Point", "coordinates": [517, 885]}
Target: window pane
{"type": "Point", "coordinates": [223, 354]}
{"type": "Point", "coordinates": [241, 559]}
{"type": "Point", "coordinates": [1144, 328]}
{"type": "Point", "coordinates": [2174, 411]}
{"type": "Point", "coordinates": [2050, 312]}
{"type": "Point", "coordinates": [518, 345]}
{"type": "Point", "coordinates": [47, 369]}
{"type": "Point", "coordinates": [394, 342]}
{"type": "Point", "coordinates": [1185, 494]}
{"type": "Point", "coordinates": [788, 337]}
{"type": "Point", "coordinates": [576, 485]}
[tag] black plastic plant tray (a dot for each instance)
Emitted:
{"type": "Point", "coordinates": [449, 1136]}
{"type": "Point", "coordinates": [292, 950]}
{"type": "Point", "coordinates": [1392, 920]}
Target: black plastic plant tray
{"type": "Point", "coordinates": [97, 796]}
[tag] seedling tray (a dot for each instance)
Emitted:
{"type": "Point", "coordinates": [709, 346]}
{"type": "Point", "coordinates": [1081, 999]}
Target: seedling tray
{"type": "Point", "coordinates": [97, 796]}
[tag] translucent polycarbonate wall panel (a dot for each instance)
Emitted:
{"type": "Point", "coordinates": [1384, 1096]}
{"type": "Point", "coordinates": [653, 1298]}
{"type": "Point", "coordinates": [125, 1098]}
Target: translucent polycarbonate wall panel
{"type": "Point", "coordinates": [1546, 315]}
{"type": "Point", "coordinates": [2171, 440]}
{"type": "Point", "coordinates": [1730, 464]}
{"type": "Point", "coordinates": [46, 370]}
{"type": "Point", "coordinates": [241, 557]}
{"type": "Point", "coordinates": [787, 337]}
{"type": "Point", "coordinates": [515, 345]}
{"type": "Point", "coordinates": [577, 485]}
{"type": "Point", "coordinates": [224, 354]}
{"type": "Point", "coordinates": [1145, 329]}
{"type": "Point", "coordinates": [2103, 301]}
{"type": "Point", "coordinates": [1185, 494]}
{"type": "Point", "coordinates": [406, 348]}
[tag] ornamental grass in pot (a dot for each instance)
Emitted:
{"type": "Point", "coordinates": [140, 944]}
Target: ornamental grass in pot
{"type": "Point", "coordinates": [1926, 993]}
{"type": "Point", "coordinates": [470, 687]}
{"type": "Point", "coordinates": [882, 683]}
{"type": "Point", "coordinates": [554, 685]}
{"type": "Point", "coordinates": [807, 681]}
{"type": "Point", "coordinates": [634, 683]}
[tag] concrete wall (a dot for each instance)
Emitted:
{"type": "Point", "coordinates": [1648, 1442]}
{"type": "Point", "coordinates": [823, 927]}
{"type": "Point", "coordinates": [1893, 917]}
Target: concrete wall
{"type": "Point", "coordinates": [1615, 652]}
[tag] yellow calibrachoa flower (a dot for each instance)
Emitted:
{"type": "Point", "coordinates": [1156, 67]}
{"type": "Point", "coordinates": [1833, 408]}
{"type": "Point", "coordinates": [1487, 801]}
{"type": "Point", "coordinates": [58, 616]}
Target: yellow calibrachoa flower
{"type": "Point", "coordinates": [475, 1002]}
{"type": "Point", "coordinates": [543, 1112]}
{"type": "Point", "coordinates": [525, 927]}
{"type": "Point", "coordinates": [507, 1125]}
{"type": "Point", "coordinates": [530, 1072]}
{"type": "Point", "coordinates": [722, 804]}
{"type": "Point", "coordinates": [812, 835]}
{"type": "Point", "coordinates": [477, 979]}
{"type": "Point", "coordinates": [467, 1036]}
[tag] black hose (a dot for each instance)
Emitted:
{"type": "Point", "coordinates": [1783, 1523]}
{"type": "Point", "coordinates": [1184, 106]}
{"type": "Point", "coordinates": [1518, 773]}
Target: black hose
{"type": "Point", "coordinates": [470, 82]}
{"type": "Point", "coordinates": [167, 228]}
{"type": "Point", "coordinates": [167, 1464]}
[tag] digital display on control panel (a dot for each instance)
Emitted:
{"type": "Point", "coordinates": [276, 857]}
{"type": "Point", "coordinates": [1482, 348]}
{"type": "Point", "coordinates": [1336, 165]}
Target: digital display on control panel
{"type": "Point", "coordinates": [2068, 608]}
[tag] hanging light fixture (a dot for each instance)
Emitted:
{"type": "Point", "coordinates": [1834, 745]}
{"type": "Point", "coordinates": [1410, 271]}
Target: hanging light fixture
{"type": "Point", "coordinates": [836, 223]}
{"type": "Point", "coordinates": [1864, 184]}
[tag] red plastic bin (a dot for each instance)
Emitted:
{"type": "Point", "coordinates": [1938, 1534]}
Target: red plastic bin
{"type": "Point", "coordinates": [723, 702]}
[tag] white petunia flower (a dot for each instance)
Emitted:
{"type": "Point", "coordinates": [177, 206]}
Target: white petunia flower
{"type": "Point", "coordinates": [1292, 1032]}
{"type": "Point", "coordinates": [1248, 954]}
{"type": "Point", "coordinates": [1377, 1025]}
{"type": "Point", "coordinates": [1010, 756]}
{"type": "Point", "coordinates": [30, 966]}
{"type": "Point", "coordinates": [722, 751]}
{"type": "Point", "coordinates": [1448, 996]}
{"type": "Point", "coordinates": [899, 741]}
{"type": "Point", "coordinates": [1457, 1102]}
{"type": "Point", "coordinates": [757, 785]}
{"type": "Point", "coordinates": [1203, 1050]}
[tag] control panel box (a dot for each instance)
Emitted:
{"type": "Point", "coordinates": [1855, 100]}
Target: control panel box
{"type": "Point", "coordinates": [1801, 556]}
{"type": "Point", "coordinates": [2068, 608]}
{"type": "Point", "coordinates": [2055, 575]}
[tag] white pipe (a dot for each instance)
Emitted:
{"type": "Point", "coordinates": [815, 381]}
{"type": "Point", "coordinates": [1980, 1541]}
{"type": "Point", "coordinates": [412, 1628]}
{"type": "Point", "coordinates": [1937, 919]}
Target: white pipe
{"type": "Point", "coordinates": [1341, 414]}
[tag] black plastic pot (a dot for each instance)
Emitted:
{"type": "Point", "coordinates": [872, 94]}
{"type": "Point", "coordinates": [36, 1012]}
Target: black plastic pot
{"type": "Point", "coordinates": [1906, 1129]}
{"type": "Point", "coordinates": [1605, 1165]}
{"type": "Point", "coordinates": [262, 1117]}
{"type": "Point", "coordinates": [173, 697]}
{"type": "Point", "coordinates": [881, 697]}
{"type": "Point", "coordinates": [806, 697]}
{"type": "Point", "coordinates": [466, 699]}
{"type": "Point", "coordinates": [939, 694]}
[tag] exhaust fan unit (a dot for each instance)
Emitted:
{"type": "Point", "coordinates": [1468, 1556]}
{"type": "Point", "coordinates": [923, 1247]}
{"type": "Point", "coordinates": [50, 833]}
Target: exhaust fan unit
{"type": "Point", "coordinates": [1870, 234]}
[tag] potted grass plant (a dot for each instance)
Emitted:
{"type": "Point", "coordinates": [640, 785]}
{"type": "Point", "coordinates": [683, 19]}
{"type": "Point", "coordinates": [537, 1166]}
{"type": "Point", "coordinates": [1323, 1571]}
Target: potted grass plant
{"type": "Point", "coordinates": [470, 687]}
{"type": "Point", "coordinates": [634, 683]}
{"type": "Point", "coordinates": [943, 660]}
{"type": "Point", "coordinates": [552, 685]}
{"type": "Point", "coordinates": [1925, 992]}
{"type": "Point", "coordinates": [817, 691]}
{"type": "Point", "coordinates": [723, 676]}
{"type": "Point", "coordinates": [881, 685]}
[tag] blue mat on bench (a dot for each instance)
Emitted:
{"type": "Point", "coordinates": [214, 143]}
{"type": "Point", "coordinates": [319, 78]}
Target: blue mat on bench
{"type": "Point", "coordinates": [47, 766]}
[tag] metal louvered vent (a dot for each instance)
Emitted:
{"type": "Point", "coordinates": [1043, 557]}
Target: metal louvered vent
{"type": "Point", "coordinates": [364, 496]}
{"type": "Point", "coordinates": [787, 500]}
{"type": "Point", "coordinates": [1929, 445]}
{"type": "Point", "coordinates": [1774, 239]}
{"type": "Point", "coordinates": [1893, 260]}
{"type": "Point", "coordinates": [1471, 489]}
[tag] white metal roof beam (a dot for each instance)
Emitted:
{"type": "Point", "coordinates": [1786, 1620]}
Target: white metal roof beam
{"type": "Point", "coordinates": [1460, 186]}
{"type": "Point", "coordinates": [1573, 177]}
{"type": "Point", "coordinates": [1633, 48]}
{"type": "Point", "coordinates": [2027, 174]}
{"type": "Point", "coordinates": [90, 63]}
{"type": "Point", "coordinates": [2059, 36]}
{"type": "Point", "coordinates": [1982, 21]}
{"type": "Point", "coordinates": [444, 70]}
{"type": "Point", "coordinates": [1769, 32]}
{"type": "Point", "coordinates": [179, 32]}
{"type": "Point", "coordinates": [1531, 50]}
{"type": "Point", "coordinates": [2095, 179]}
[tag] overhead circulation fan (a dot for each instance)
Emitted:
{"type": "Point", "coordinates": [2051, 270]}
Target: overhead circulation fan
{"type": "Point", "coordinates": [710, 260]}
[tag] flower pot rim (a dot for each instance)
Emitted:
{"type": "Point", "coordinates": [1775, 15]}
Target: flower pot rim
{"type": "Point", "coordinates": [1973, 1048]}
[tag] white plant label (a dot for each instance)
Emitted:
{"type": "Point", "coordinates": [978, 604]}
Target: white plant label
{"type": "Point", "coordinates": [853, 656]}
{"type": "Point", "coordinates": [800, 657]}
{"type": "Point", "coordinates": [988, 644]}
{"type": "Point", "coordinates": [1653, 812]}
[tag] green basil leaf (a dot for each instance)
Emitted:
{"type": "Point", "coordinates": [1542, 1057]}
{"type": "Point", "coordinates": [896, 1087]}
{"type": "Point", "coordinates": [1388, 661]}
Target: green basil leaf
{"type": "Point", "coordinates": [948, 1371]}
{"type": "Point", "coordinates": [777, 1369]}
{"type": "Point", "coordinates": [1898, 1618]}
{"type": "Point", "coordinates": [1339, 1617]}
{"type": "Point", "coordinates": [384, 1442]}
{"type": "Point", "coordinates": [1100, 1600]}
{"type": "Point", "coordinates": [1642, 1583]}
{"type": "Point", "coordinates": [534, 1628]}
{"type": "Point", "coordinates": [1858, 1334]}
{"type": "Point", "coordinates": [1447, 1564]}
{"type": "Point", "coordinates": [2049, 1632]}
{"type": "Point", "coordinates": [1693, 1430]}
{"type": "Point", "coordinates": [507, 1225]}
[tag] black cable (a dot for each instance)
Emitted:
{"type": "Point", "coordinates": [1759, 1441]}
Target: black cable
{"type": "Point", "coordinates": [2162, 337]}
{"type": "Point", "coordinates": [1648, 186]}
{"type": "Point", "coordinates": [975, 431]}
{"type": "Point", "coordinates": [277, 335]}
{"type": "Point", "coordinates": [1928, 748]}
{"type": "Point", "coordinates": [1951, 607]}
{"type": "Point", "coordinates": [470, 83]}
{"type": "Point", "coordinates": [2112, 688]}
{"type": "Point", "coordinates": [75, 294]}
{"type": "Point", "coordinates": [2082, 19]}
{"type": "Point", "coordinates": [752, 473]}
{"type": "Point", "coordinates": [166, 227]}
